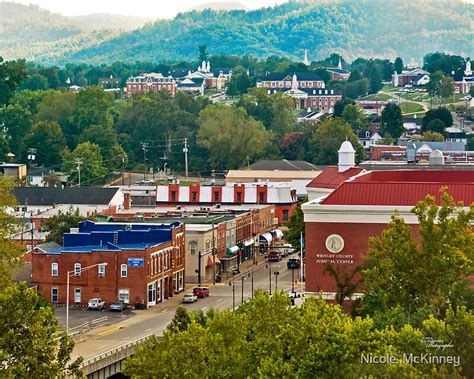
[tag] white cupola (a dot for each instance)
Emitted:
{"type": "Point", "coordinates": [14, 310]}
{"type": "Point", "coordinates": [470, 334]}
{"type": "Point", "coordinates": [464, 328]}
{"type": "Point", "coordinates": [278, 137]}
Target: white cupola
{"type": "Point", "coordinates": [346, 156]}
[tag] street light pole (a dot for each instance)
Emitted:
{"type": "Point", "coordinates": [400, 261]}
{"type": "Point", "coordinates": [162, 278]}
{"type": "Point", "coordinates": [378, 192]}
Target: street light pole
{"type": "Point", "coordinates": [145, 149]}
{"type": "Point", "coordinates": [276, 280]}
{"type": "Point", "coordinates": [270, 277]}
{"type": "Point", "coordinates": [69, 274]}
{"type": "Point", "coordinates": [242, 298]}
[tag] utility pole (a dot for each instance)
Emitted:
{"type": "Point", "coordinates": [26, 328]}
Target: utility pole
{"type": "Point", "coordinates": [242, 299]}
{"type": "Point", "coordinates": [78, 162]}
{"type": "Point", "coordinates": [145, 149]}
{"type": "Point", "coordinates": [185, 151]}
{"type": "Point", "coordinates": [213, 256]}
{"type": "Point", "coordinates": [269, 278]}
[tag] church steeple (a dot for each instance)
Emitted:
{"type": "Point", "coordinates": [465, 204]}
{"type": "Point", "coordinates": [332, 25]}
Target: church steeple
{"type": "Point", "coordinates": [339, 65]}
{"type": "Point", "coordinates": [306, 60]}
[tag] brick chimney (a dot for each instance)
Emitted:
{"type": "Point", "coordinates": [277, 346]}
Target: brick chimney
{"type": "Point", "coordinates": [127, 201]}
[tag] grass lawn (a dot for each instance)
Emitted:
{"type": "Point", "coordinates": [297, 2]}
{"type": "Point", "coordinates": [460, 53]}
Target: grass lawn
{"type": "Point", "coordinates": [389, 87]}
{"type": "Point", "coordinates": [410, 108]}
{"type": "Point", "coordinates": [416, 96]}
{"type": "Point", "coordinates": [377, 97]}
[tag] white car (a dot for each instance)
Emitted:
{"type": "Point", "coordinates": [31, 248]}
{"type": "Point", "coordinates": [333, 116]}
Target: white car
{"type": "Point", "coordinates": [189, 298]}
{"type": "Point", "coordinates": [96, 303]}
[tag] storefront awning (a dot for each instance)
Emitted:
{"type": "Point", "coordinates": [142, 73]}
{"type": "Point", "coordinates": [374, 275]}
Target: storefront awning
{"type": "Point", "coordinates": [277, 233]}
{"type": "Point", "coordinates": [249, 242]}
{"type": "Point", "coordinates": [266, 237]}
{"type": "Point", "coordinates": [232, 250]}
{"type": "Point", "coordinates": [210, 259]}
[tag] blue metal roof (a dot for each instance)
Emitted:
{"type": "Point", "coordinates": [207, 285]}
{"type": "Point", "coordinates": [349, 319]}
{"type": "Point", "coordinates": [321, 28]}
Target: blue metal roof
{"type": "Point", "coordinates": [115, 236]}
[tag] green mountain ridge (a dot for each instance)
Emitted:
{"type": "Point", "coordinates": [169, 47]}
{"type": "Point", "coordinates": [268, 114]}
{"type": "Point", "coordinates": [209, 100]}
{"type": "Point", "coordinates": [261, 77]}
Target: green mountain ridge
{"type": "Point", "coordinates": [363, 28]}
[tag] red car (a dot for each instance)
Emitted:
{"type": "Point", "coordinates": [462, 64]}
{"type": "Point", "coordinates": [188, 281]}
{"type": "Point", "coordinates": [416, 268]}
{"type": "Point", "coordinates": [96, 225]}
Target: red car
{"type": "Point", "coordinates": [274, 256]}
{"type": "Point", "coordinates": [201, 291]}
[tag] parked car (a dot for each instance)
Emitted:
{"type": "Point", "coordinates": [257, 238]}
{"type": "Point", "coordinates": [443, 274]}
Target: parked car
{"type": "Point", "coordinates": [118, 305]}
{"type": "Point", "coordinates": [201, 292]}
{"type": "Point", "coordinates": [293, 263]}
{"type": "Point", "coordinates": [96, 303]}
{"type": "Point", "coordinates": [189, 298]}
{"type": "Point", "coordinates": [274, 256]}
{"type": "Point", "coordinates": [146, 181]}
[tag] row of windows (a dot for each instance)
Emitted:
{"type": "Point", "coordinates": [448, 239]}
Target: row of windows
{"type": "Point", "coordinates": [123, 294]}
{"type": "Point", "coordinates": [288, 84]}
{"type": "Point", "coordinates": [216, 194]}
{"type": "Point", "coordinates": [78, 269]}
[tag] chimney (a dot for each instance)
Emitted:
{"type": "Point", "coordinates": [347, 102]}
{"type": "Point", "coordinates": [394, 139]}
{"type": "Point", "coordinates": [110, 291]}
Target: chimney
{"type": "Point", "coordinates": [127, 201]}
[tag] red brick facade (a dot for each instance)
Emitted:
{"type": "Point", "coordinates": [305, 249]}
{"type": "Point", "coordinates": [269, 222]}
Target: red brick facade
{"type": "Point", "coordinates": [163, 269]}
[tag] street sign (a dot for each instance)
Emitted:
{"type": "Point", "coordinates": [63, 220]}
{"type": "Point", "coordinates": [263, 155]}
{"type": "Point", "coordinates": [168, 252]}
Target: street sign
{"type": "Point", "coordinates": [136, 262]}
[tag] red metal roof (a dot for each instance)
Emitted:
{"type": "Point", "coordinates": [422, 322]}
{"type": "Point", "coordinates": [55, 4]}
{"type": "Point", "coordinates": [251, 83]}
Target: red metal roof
{"type": "Point", "coordinates": [403, 187]}
{"type": "Point", "coordinates": [331, 177]}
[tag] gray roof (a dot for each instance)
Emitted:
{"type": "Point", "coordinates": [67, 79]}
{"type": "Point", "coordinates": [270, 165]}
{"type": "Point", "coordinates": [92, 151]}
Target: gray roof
{"type": "Point", "coordinates": [278, 76]}
{"type": "Point", "coordinates": [283, 165]}
{"type": "Point", "coordinates": [76, 195]}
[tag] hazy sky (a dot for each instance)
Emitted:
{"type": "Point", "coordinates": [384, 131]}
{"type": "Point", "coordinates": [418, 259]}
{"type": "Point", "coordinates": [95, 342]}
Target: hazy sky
{"type": "Point", "coordinates": [143, 8]}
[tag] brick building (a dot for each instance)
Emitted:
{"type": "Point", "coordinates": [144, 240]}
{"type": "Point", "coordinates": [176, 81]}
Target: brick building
{"type": "Point", "coordinates": [154, 82]}
{"type": "Point", "coordinates": [281, 195]}
{"type": "Point", "coordinates": [306, 88]}
{"type": "Point", "coordinates": [144, 263]}
{"type": "Point", "coordinates": [339, 225]}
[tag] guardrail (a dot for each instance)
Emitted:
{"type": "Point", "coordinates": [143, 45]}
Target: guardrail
{"type": "Point", "coordinates": [109, 357]}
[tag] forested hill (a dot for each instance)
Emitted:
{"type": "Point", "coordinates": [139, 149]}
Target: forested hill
{"type": "Point", "coordinates": [38, 34]}
{"type": "Point", "coordinates": [366, 28]}
{"type": "Point", "coordinates": [370, 28]}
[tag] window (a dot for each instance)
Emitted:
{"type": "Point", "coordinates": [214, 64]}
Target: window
{"type": "Point", "coordinates": [77, 295]}
{"type": "Point", "coordinates": [285, 214]}
{"type": "Point", "coordinates": [54, 269]}
{"type": "Point", "coordinates": [239, 197]}
{"type": "Point", "coordinates": [193, 247]}
{"type": "Point", "coordinates": [77, 269]}
{"type": "Point", "coordinates": [123, 271]}
{"type": "Point", "coordinates": [101, 270]}
{"type": "Point", "coordinates": [216, 196]}
{"type": "Point", "coordinates": [124, 295]}
{"type": "Point", "coordinates": [208, 244]}
{"type": "Point", "coordinates": [173, 195]}
{"type": "Point", "coordinates": [261, 197]}
{"type": "Point", "coordinates": [194, 196]}
{"type": "Point", "coordinates": [54, 295]}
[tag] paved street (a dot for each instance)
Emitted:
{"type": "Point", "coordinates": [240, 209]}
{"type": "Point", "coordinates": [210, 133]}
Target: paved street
{"type": "Point", "coordinates": [134, 324]}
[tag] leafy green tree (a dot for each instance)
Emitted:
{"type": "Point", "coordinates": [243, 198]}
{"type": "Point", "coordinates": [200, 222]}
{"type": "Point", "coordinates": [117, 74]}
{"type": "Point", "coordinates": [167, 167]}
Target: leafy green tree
{"type": "Point", "coordinates": [61, 223]}
{"type": "Point", "coordinates": [34, 82]}
{"type": "Point", "coordinates": [11, 75]}
{"type": "Point", "coordinates": [340, 105]}
{"type": "Point", "coordinates": [373, 73]}
{"type": "Point", "coordinates": [447, 86]}
{"type": "Point", "coordinates": [47, 137]}
{"type": "Point", "coordinates": [436, 126]}
{"type": "Point", "coordinates": [327, 139]}
{"type": "Point", "coordinates": [30, 343]}
{"type": "Point", "coordinates": [58, 107]}
{"type": "Point", "coordinates": [93, 107]}
{"type": "Point", "coordinates": [357, 88]}
{"type": "Point", "coordinates": [296, 227]}
{"type": "Point", "coordinates": [470, 143]}
{"type": "Point", "coordinates": [398, 65]}
{"type": "Point", "coordinates": [354, 76]}
{"type": "Point", "coordinates": [434, 272]}
{"type": "Point", "coordinates": [392, 120]}
{"type": "Point", "coordinates": [92, 166]}
{"type": "Point", "coordinates": [10, 251]}
{"type": "Point", "coordinates": [354, 116]}
{"type": "Point", "coordinates": [180, 321]}
{"type": "Point", "coordinates": [434, 85]}
{"type": "Point", "coordinates": [230, 135]}
{"type": "Point", "coordinates": [433, 136]}
{"type": "Point", "coordinates": [239, 83]}
{"type": "Point", "coordinates": [16, 121]}
{"type": "Point", "coordinates": [441, 113]}
{"type": "Point", "coordinates": [269, 338]}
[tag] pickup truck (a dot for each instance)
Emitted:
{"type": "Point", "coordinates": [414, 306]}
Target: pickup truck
{"type": "Point", "coordinates": [96, 303]}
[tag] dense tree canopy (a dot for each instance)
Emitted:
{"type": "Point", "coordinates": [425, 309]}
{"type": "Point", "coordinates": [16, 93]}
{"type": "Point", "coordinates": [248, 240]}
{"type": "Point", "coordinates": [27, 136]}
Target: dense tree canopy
{"type": "Point", "coordinates": [392, 120]}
